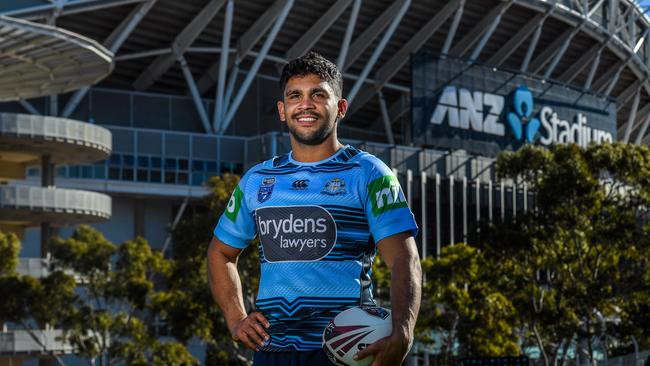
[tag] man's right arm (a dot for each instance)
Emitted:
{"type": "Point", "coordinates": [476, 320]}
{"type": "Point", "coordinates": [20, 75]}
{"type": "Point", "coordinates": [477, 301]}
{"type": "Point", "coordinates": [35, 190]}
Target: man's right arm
{"type": "Point", "coordinates": [226, 288]}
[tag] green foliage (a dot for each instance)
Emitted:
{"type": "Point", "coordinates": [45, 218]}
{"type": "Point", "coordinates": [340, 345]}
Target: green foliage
{"type": "Point", "coordinates": [588, 236]}
{"type": "Point", "coordinates": [463, 305]}
{"type": "Point", "coordinates": [9, 249]}
{"type": "Point", "coordinates": [187, 305]}
{"type": "Point", "coordinates": [31, 301]}
{"type": "Point", "coordinates": [115, 301]}
{"type": "Point", "coordinates": [102, 296]}
{"type": "Point", "coordinates": [381, 277]}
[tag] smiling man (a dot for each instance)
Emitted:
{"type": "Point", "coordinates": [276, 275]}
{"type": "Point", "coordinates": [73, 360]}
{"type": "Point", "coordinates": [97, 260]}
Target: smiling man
{"type": "Point", "coordinates": [320, 212]}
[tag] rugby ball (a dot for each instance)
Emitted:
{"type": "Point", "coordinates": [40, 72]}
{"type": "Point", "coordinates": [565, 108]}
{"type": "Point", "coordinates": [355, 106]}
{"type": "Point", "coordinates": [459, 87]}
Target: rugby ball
{"type": "Point", "coordinates": [353, 330]}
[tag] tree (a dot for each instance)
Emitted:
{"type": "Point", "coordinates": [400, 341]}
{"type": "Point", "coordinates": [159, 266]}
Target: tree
{"type": "Point", "coordinates": [462, 305]}
{"type": "Point", "coordinates": [115, 301]}
{"type": "Point", "coordinates": [576, 263]}
{"type": "Point", "coordinates": [99, 294]}
{"type": "Point", "coordinates": [34, 303]}
{"type": "Point", "coordinates": [187, 305]}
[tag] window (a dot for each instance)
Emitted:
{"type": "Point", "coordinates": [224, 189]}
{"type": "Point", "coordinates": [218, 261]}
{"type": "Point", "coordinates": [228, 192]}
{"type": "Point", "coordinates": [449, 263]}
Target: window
{"type": "Point", "coordinates": [113, 173]}
{"type": "Point", "coordinates": [74, 171]}
{"type": "Point", "coordinates": [128, 160]}
{"type": "Point", "coordinates": [86, 171]}
{"type": "Point", "coordinates": [156, 162]}
{"type": "Point", "coordinates": [127, 174]}
{"type": "Point", "coordinates": [143, 175]}
{"type": "Point", "coordinates": [100, 171]}
{"type": "Point", "coordinates": [34, 172]}
{"type": "Point", "coordinates": [143, 161]}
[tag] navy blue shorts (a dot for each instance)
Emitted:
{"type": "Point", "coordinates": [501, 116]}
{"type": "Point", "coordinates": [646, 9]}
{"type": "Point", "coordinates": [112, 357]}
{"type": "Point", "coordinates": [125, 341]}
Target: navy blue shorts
{"type": "Point", "coordinates": [297, 358]}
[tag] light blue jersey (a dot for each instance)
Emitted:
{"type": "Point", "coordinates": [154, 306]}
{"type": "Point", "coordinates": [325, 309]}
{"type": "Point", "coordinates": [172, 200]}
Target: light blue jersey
{"type": "Point", "coordinates": [318, 225]}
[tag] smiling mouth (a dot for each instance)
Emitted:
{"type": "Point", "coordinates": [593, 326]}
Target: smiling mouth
{"type": "Point", "coordinates": [306, 119]}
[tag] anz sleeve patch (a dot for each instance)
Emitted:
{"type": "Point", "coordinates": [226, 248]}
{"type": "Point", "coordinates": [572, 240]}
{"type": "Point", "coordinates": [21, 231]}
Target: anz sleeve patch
{"type": "Point", "coordinates": [385, 194]}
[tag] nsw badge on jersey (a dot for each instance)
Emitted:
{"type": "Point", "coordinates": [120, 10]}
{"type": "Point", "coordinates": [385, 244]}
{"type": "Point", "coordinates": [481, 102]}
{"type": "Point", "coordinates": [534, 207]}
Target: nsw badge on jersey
{"type": "Point", "coordinates": [334, 186]}
{"type": "Point", "coordinates": [266, 189]}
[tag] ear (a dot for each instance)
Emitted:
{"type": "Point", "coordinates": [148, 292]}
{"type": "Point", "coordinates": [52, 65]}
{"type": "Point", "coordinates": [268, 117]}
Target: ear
{"type": "Point", "coordinates": [342, 108]}
{"type": "Point", "coordinates": [281, 110]}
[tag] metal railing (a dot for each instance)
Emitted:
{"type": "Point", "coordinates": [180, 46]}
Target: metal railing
{"type": "Point", "coordinates": [55, 128]}
{"type": "Point", "coordinates": [631, 359]}
{"type": "Point", "coordinates": [33, 267]}
{"type": "Point", "coordinates": [56, 200]}
{"type": "Point", "coordinates": [20, 341]}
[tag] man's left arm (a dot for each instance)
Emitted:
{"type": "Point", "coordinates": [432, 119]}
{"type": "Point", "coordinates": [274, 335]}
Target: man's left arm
{"type": "Point", "coordinates": [400, 253]}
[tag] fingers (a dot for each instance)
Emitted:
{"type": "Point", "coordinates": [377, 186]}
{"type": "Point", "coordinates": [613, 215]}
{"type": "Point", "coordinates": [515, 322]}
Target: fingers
{"type": "Point", "coordinates": [245, 339]}
{"type": "Point", "coordinates": [261, 319]}
{"type": "Point", "coordinates": [250, 331]}
{"type": "Point", "coordinates": [370, 350]}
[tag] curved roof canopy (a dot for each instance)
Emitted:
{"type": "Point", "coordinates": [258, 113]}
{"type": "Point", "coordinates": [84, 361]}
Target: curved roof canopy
{"type": "Point", "coordinates": [38, 60]}
{"type": "Point", "coordinates": [598, 46]}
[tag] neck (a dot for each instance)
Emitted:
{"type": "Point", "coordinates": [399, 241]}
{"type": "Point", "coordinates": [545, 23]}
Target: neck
{"type": "Point", "coordinates": [312, 153]}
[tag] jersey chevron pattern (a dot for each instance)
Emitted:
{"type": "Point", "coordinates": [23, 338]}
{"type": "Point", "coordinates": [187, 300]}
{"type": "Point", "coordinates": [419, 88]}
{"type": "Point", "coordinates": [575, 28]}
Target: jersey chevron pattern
{"type": "Point", "coordinates": [317, 225]}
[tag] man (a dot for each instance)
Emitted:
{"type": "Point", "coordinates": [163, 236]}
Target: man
{"type": "Point", "coordinates": [320, 213]}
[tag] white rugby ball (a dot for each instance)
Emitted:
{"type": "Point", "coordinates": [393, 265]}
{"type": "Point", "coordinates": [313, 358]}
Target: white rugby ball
{"type": "Point", "coordinates": [353, 330]}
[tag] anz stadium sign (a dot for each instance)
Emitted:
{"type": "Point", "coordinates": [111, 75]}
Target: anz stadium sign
{"type": "Point", "coordinates": [485, 111]}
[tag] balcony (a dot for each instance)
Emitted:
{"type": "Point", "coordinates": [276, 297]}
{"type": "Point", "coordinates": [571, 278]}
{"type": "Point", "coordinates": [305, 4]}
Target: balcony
{"type": "Point", "coordinates": [16, 342]}
{"type": "Point", "coordinates": [24, 204]}
{"type": "Point", "coordinates": [25, 138]}
{"type": "Point", "coordinates": [33, 267]}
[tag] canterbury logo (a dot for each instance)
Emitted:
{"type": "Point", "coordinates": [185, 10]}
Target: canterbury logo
{"type": "Point", "coordinates": [300, 184]}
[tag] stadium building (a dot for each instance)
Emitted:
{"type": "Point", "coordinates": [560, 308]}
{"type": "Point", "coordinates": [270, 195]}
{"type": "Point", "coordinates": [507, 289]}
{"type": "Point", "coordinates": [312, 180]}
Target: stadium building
{"type": "Point", "coordinates": [42, 60]}
{"type": "Point", "coordinates": [436, 88]}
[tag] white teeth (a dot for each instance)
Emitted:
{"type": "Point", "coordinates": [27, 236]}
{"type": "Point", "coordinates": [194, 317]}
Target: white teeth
{"type": "Point", "coordinates": [307, 119]}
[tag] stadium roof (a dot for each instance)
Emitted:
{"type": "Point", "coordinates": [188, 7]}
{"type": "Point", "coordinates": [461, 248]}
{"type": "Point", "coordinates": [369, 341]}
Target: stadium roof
{"type": "Point", "coordinates": [595, 45]}
{"type": "Point", "coordinates": [37, 60]}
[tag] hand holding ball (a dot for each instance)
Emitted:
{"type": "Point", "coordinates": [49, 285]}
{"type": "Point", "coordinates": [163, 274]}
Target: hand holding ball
{"type": "Point", "coordinates": [353, 330]}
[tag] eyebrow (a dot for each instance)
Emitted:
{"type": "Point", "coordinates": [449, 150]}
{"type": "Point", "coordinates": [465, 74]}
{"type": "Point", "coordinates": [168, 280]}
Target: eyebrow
{"type": "Point", "coordinates": [313, 90]}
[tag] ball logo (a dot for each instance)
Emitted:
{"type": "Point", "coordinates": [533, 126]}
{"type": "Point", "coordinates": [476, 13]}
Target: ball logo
{"type": "Point", "coordinates": [520, 118]}
{"type": "Point", "coordinates": [376, 311]}
{"type": "Point", "coordinates": [295, 233]}
{"type": "Point", "coordinates": [343, 339]}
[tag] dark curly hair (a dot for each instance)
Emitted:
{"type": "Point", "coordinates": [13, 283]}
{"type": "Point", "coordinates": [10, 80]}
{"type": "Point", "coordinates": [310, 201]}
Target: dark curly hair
{"type": "Point", "coordinates": [313, 63]}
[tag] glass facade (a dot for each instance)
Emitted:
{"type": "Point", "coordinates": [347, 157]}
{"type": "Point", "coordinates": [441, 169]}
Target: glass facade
{"type": "Point", "coordinates": [146, 169]}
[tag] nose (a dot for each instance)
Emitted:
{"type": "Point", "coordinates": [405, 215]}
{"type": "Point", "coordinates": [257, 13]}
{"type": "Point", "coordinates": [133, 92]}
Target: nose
{"type": "Point", "coordinates": [306, 103]}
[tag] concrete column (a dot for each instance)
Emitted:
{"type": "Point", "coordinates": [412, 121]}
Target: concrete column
{"type": "Point", "coordinates": [47, 179]}
{"type": "Point", "coordinates": [138, 217]}
{"type": "Point", "coordinates": [47, 171]}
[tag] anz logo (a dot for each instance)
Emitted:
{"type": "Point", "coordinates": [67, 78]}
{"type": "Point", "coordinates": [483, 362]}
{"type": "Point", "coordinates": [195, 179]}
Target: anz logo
{"type": "Point", "coordinates": [480, 112]}
{"type": "Point", "coordinates": [476, 111]}
{"type": "Point", "coordinates": [520, 119]}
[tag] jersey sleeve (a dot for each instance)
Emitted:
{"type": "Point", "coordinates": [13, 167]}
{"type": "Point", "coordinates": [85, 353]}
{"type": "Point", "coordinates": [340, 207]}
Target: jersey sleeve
{"type": "Point", "coordinates": [236, 227]}
{"type": "Point", "coordinates": [385, 205]}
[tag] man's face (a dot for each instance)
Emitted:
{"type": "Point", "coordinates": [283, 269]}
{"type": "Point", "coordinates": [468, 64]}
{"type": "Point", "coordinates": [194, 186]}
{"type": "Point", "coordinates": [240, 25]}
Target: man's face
{"type": "Point", "coordinates": [310, 108]}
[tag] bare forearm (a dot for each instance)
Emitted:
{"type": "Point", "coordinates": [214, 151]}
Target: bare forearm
{"type": "Point", "coordinates": [226, 288]}
{"type": "Point", "coordinates": [405, 294]}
